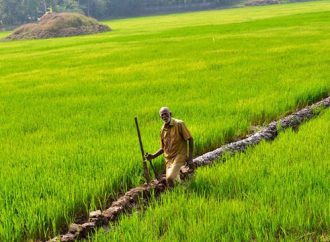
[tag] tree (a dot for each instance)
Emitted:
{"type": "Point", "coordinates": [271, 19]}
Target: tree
{"type": "Point", "coordinates": [94, 8]}
{"type": "Point", "coordinates": [14, 12]}
{"type": "Point", "coordinates": [68, 6]}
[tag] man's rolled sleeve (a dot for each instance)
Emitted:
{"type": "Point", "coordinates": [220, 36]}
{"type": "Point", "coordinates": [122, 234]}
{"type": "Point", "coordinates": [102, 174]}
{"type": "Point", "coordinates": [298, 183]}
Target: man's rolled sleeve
{"type": "Point", "coordinates": [185, 132]}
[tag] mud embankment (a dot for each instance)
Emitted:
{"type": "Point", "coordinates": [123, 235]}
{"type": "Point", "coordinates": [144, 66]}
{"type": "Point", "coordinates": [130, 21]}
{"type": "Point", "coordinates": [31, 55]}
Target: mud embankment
{"type": "Point", "coordinates": [140, 195]}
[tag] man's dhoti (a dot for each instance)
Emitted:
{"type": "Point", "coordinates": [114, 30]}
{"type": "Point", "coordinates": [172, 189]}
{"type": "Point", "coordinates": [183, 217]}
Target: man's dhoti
{"type": "Point", "coordinates": [173, 168]}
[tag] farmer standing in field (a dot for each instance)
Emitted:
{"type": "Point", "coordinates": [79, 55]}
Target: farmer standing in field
{"type": "Point", "coordinates": [174, 137]}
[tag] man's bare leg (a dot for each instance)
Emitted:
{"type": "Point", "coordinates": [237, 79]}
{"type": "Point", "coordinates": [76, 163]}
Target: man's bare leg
{"type": "Point", "coordinates": [173, 174]}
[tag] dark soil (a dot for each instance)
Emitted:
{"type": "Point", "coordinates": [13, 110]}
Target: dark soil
{"type": "Point", "coordinates": [53, 25]}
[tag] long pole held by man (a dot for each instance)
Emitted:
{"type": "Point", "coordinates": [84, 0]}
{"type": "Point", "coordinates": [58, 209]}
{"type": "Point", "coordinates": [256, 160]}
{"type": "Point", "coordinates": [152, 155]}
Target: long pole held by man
{"type": "Point", "coordinates": [176, 143]}
{"type": "Point", "coordinates": [145, 167]}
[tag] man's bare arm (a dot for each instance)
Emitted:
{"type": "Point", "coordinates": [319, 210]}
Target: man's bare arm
{"type": "Point", "coordinates": [155, 155]}
{"type": "Point", "coordinates": [190, 158]}
{"type": "Point", "coordinates": [191, 148]}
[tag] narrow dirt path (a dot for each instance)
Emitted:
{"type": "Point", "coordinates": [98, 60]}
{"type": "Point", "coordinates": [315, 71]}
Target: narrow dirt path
{"type": "Point", "coordinates": [140, 195]}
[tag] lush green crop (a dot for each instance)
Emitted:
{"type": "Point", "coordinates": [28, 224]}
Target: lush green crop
{"type": "Point", "coordinates": [277, 191]}
{"type": "Point", "coordinates": [229, 16]}
{"type": "Point", "coordinates": [67, 135]}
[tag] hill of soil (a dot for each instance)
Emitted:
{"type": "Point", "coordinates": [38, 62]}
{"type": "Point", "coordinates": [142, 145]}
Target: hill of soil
{"type": "Point", "coordinates": [58, 25]}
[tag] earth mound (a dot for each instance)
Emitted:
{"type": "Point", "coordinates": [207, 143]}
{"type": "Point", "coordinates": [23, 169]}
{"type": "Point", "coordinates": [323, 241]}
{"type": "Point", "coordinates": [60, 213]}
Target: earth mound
{"type": "Point", "coordinates": [53, 25]}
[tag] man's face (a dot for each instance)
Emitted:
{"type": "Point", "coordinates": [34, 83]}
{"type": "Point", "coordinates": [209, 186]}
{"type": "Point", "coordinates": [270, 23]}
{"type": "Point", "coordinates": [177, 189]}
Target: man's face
{"type": "Point", "coordinates": [165, 115]}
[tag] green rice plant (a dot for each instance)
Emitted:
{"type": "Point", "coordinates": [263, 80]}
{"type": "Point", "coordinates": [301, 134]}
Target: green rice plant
{"type": "Point", "coordinates": [67, 135]}
{"type": "Point", "coordinates": [277, 191]}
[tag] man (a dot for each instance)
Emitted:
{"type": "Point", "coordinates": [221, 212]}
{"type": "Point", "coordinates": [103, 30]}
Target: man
{"type": "Point", "coordinates": [174, 136]}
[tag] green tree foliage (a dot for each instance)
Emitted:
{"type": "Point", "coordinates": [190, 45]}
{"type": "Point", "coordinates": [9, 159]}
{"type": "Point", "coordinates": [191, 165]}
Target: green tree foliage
{"type": "Point", "coordinates": [67, 6]}
{"type": "Point", "coordinates": [14, 12]}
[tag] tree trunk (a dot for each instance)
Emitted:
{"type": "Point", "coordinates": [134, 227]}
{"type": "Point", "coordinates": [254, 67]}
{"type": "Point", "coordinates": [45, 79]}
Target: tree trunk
{"type": "Point", "coordinates": [45, 6]}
